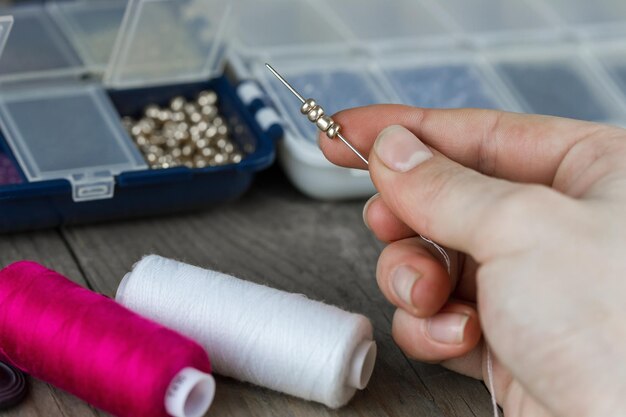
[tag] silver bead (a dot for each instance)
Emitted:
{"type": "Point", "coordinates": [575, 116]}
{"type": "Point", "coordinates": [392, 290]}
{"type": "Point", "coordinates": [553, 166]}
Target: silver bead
{"type": "Point", "coordinates": [235, 158]}
{"type": "Point", "coordinates": [209, 112]}
{"type": "Point", "coordinates": [207, 98]}
{"type": "Point", "coordinates": [229, 148]}
{"type": "Point", "coordinates": [195, 117]}
{"type": "Point", "coordinates": [176, 152]}
{"type": "Point", "coordinates": [141, 140]}
{"type": "Point", "coordinates": [324, 122]}
{"type": "Point", "coordinates": [178, 103]}
{"type": "Point", "coordinates": [202, 126]}
{"type": "Point", "coordinates": [201, 143]}
{"type": "Point", "coordinates": [219, 159]}
{"type": "Point", "coordinates": [136, 130]}
{"type": "Point", "coordinates": [207, 152]}
{"type": "Point", "coordinates": [152, 111]}
{"type": "Point", "coordinates": [199, 162]}
{"type": "Point", "coordinates": [151, 158]}
{"type": "Point", "coordinates": [315, 113]}
{"type": "Point", "coordinates": [164, 116]}
{"type": "Point", "coordinates": [190, 108]}
{"type": "Point", "coordinates": [222, 130]}
{"type": "Point", "coordinates": [221, 143]}
{"type": "Point", "coordinates": [187, 150]}
{"type": "Point", "coordinates": [333, 131]}
{"type": "Point", "coordinates": [178, 116]}
{"type": "Point", "coordinates": [307, 106]}
{"type": "Point", "coordinates": [211, 132]}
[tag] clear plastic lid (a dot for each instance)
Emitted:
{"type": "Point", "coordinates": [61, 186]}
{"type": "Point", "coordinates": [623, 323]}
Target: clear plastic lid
{"type": "Point", "coordinates": [446, 80]}
{"type": "Point", "coordinates": [597, 19]}
{"type": "Point", "coordinates": [68, 132]}
{"type": "Point", "coordinates": [495, 21]}
{"type": "Point", "coordinates": [558, 83]}
{"type": "Point", "coordinates": [91, 26]}
{"type": "Point", "coordinates": [36, 47]}
{"type": "Point", "coordinates": [277, 27]}
{"type": "Point", "coordinates": [405, 22]}
{"type": "Point", "coordinates": [166, 41]}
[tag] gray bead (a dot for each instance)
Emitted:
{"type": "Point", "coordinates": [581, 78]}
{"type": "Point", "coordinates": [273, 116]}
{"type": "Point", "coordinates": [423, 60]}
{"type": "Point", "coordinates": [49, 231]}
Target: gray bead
{"type": "Point", "coordinates": [152, 111]}
{"type": "Point", "coordinates": [211, 132]}
{"type": "Point", "coordinates": [209, 112]}
{"type": "Point", "coordinates": [218, 121]}
{"type": "Point", "coordinates": [221, 143]}
{"type": "Point", "coordinates": [229, 148]}
{"type": "Point", "coordinates": [207, 98]}
{"type": "Point", "coordinates": [307, 106]}
{"type": "Point", "coordinates": [201, 143]}
{"type": "Point", "coordinates": [178, 116]}
{"type": "Point", "coordinates": [324, 122]}
{"type": "Point", "coordinates": [207, 152]}
{"type": "Point", "coordinates": [333, 131]}
{"type": "Point", "coordinates": [164, 116]}
{"type": "Point", "coordinates": [315, 113]}
{"type": "Point", "coordinates": [188, 150]}
{"type": "Point", "coordinates": [178, 103]}
{"type": "Point", "coordinates": [190, 108]}
{"type": "Point", "coordinates": [136, 130]}
{"type": "Point", "coordinates": [222, 130]}
{"type": "Point", "coordinates": [235, 158]}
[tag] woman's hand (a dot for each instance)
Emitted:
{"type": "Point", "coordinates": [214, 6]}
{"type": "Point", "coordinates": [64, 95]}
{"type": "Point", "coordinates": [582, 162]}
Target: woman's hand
{"type": "Point", "coordinates": [533, 210]}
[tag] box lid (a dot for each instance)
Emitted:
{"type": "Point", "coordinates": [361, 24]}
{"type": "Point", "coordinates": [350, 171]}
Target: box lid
{"type": "Point", "coordinates": [166, 41]}
{"type": "Point", "coordinates": [66, 131]}
{"type": "Point", "coordinates": [37, 48]}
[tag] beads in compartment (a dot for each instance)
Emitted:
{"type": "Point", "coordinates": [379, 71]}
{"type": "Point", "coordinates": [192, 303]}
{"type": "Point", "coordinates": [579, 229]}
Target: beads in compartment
{"type": "Point", "coordinates": [185, 133]}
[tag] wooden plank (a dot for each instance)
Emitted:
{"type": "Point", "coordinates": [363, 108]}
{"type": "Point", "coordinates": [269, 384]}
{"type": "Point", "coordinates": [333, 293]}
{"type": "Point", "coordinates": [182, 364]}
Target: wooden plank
{"type": "Point", "coordinates": [49, 249]}
{"type": "Point", "coordinates": [278, 237]}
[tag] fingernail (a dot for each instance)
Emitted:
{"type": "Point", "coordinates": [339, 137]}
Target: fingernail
{"type": "Point", "coordinates": [400, 150]}
{"type": "Point", "coordinates": [366, 207]}
{"type": "Point", "coordinates": [402, 281]}
{"type": "Point", "coordinates": [448, 328]}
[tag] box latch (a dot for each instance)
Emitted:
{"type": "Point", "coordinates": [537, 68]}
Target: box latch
{"type": "Point", "coordinates": [93, 186]}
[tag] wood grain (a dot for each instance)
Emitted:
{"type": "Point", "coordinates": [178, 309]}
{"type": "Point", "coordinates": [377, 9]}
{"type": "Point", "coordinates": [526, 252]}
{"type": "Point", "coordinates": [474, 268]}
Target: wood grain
{"type": "Point", "coordinates": [278, 237]}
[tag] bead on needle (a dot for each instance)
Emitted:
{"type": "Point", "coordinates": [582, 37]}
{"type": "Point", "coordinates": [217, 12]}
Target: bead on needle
{"type": "Point", "coordinates": [315, 113]}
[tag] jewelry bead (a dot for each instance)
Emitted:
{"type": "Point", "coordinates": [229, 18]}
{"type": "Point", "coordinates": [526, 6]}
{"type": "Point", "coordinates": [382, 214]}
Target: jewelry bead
{"type": "Point", "coordinates": [207, 98]}
{"type": "Point", "coordinates": [307, 106]}
{"type": "Point", "coordinates": [152, 111]}
{"type": "Point", "coordinates": [333, 131]}
{"type": "Point", "coordinates": [324, 122]}
{"type": "Point", "coordinates": [177, 104]}
{"type": "Point", "coordinates": [315, 113]}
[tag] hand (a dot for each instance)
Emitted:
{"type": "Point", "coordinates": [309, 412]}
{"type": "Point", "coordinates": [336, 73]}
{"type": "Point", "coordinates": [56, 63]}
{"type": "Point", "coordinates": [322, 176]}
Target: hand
{"type": "Point", "coordinates": [533, 210]}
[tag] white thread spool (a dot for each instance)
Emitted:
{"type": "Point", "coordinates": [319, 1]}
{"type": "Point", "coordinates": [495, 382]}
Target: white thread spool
{"type": "Point", "coordinates": [257, 334]}
{"type": "Point", "coordinates": [190, 394]}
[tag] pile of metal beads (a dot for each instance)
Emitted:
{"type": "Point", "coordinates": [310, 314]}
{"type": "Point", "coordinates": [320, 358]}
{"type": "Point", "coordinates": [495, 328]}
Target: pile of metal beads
{"type": "Point", "coordinates": [187, 133]}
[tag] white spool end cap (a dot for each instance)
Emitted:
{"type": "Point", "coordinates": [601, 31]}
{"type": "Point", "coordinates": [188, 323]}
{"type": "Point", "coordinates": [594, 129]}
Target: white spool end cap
{"type": "Point", "coordinates": [362, 364]}
{"type": "Point", "coordinates": [190, 394]}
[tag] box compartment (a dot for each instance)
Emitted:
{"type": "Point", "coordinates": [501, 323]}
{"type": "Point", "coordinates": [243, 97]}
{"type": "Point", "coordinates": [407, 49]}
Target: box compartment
{"type": "Point", "coordinates": [76, 161]}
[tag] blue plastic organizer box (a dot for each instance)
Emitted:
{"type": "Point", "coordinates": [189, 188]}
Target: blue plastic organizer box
{"type": "Point", "coordinates": [56, 117]}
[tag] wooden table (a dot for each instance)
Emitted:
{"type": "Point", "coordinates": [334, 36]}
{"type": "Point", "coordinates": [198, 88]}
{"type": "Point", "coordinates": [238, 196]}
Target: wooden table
{"type": "Point", "coordinates": [275, 236]}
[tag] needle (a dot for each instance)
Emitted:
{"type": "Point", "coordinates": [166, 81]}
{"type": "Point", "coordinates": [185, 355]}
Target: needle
{"type": "Point", "coordinates": [303, 100]}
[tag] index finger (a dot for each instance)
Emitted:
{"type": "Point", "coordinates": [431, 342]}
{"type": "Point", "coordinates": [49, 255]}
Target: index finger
{"type": "Point", "coordinates": [516, 147]}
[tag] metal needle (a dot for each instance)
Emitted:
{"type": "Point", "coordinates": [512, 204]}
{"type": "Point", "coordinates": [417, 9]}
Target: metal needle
{"type": "Point", "coordinates": [302, 100]}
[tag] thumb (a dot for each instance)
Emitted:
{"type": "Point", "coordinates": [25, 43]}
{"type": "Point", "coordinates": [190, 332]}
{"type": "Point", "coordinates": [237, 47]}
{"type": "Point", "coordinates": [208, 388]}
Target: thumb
{"type": "Point", "coordinates": [451, 204]}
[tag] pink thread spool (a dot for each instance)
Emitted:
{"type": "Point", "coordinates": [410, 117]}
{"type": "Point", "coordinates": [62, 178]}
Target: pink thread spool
{"type": "Point", "coordinates": [94, 348]}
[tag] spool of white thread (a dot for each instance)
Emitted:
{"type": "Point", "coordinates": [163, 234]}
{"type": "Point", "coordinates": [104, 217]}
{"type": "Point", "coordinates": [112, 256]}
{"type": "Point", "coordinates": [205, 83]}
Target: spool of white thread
{"type": "Point", "coordinates": [257, 334]}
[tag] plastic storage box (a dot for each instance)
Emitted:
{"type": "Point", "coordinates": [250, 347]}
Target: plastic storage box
{"type": "Point", "coordinates": [67, 157]}
{"type": "Point", "coordinates": [530, 56]}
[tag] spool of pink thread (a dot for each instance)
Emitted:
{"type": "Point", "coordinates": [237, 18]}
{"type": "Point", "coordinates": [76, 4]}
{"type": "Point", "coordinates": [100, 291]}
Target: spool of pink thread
{"type": "Point", "coordinates": [94, 348]}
